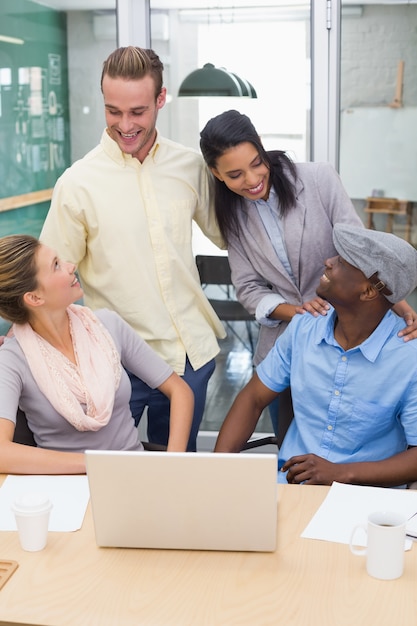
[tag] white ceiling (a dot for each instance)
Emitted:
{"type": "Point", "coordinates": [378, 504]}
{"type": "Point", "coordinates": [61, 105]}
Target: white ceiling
{"type": "Point", "coordinates": [78, 5]}
{"type": "Point", "coordinates": [88, 5]}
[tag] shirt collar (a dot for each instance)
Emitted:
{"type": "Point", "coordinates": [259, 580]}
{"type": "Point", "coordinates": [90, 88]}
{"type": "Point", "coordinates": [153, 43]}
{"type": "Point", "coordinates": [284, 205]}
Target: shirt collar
{"type": "Point", "coordinates": [372, 346]}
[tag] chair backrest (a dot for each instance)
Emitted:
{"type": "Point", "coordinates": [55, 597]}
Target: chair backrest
{"type": "Point", "coordinates": [213, 270]}
{"type": "Point", "coordinates": [22, 433]}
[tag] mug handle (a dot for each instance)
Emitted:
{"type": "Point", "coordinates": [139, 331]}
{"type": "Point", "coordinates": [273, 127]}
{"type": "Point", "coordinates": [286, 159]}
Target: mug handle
{"type": "Point", "coordinates": [355, 550]}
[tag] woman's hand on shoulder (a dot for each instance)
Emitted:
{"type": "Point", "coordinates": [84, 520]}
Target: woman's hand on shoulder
{"type": "Point", "coordinates": [404, 310]}
{"type": "Point", "coordinates": [410, 331]}
{"type": "Point", "coordinates": [316, 307]}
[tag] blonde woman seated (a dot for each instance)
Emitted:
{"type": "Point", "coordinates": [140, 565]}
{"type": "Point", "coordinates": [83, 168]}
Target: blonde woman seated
{"type": "Point", "coordinates": [64, 368]}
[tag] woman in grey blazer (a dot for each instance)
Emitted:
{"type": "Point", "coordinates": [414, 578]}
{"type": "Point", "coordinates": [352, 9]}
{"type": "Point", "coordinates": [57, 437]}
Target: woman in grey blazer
{"type": "Point", "coordinates": [277, 218]}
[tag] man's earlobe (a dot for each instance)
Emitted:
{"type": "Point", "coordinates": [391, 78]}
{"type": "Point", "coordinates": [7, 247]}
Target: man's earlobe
{"type": "Point", "coordinates": [161, 98]}
{"type": "Point", "coordinates": [370, 292]}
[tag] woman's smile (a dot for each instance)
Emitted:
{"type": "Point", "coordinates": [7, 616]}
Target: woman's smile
{"type": "Point", "coordinates": [255, 191]}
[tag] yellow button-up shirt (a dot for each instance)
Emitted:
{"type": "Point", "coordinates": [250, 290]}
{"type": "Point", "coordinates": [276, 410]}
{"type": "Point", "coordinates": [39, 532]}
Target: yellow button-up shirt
{"type": "Point", "coordinates": [128, 227]}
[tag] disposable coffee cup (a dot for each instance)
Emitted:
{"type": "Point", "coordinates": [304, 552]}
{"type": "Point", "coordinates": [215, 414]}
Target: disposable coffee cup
{"type": "Point", "coordinates": [32, 512]}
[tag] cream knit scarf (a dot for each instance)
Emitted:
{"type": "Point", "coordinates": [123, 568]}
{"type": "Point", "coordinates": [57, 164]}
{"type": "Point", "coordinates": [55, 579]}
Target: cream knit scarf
{"type": "Point", "coordinates": [84, 393]}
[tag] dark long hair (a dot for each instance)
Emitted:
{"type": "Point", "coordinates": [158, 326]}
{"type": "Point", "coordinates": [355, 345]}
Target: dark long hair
{"type": "Point", "coordinates": [225, 131]}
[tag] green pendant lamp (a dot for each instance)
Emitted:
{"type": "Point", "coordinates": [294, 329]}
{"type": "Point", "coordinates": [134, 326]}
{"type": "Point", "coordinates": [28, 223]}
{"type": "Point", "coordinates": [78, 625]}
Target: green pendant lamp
{"type": "Point", "coordinates": [215, 81]}
{"type": "Point", "coordinates": [248, 90]}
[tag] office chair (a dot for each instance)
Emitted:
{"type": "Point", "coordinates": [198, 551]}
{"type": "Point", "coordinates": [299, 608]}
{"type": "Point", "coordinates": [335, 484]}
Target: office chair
{"type": "Point", "coordinates": [262, 441]}
{"type": "Point", "coordinates": [215, 270]}
{"type": "Point", "coordinates": [22, 432]}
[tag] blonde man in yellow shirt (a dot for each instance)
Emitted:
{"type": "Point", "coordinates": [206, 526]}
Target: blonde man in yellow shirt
{"type": "Point", "coordinates": [124, 214]}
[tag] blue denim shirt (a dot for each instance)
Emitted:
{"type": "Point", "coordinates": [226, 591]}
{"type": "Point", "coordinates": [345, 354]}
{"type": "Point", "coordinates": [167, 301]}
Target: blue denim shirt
{"type": "Point", "coordinates": [349, 406]}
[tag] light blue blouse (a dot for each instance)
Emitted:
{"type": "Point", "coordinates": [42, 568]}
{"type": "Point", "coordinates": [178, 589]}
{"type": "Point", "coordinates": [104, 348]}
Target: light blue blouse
{"type": "Point", "coordinates": [270, 215]}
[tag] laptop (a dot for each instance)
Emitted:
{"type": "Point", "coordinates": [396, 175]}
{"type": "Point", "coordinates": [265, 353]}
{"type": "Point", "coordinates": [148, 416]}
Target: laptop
{"type": "Point", "coordinates": [186, 501]}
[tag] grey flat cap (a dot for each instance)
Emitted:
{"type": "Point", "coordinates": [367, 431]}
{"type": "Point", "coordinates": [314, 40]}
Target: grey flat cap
{"type": "Point", "coordinates": [371, 251]}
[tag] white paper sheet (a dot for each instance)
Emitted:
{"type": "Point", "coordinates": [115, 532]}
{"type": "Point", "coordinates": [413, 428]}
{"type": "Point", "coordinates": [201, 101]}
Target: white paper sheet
{"type": "Point", "coordinates": [69, 496]}
{"type": "Point", "coordinates": [348, 505]}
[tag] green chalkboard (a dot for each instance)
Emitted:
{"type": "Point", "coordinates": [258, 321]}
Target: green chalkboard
{"type": "Point", "coordinates": [34, 118]}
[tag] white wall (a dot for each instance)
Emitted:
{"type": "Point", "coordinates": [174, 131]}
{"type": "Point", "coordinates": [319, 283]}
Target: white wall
{"type": "Point", "coordinates": [372, 46]}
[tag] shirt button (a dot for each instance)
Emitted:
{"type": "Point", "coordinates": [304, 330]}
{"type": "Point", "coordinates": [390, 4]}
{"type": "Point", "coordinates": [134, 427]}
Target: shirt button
{"type": "Point", "coordinates": [344, 358]}
{"type": "Point", "coordinates": [330, 427]}
{"type": "Point", "coordinates": [337, 393]}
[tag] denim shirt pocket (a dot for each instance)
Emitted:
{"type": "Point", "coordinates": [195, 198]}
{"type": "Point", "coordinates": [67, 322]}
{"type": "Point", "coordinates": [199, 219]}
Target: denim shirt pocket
{"type": "Point", "coordinates": [368, 420]}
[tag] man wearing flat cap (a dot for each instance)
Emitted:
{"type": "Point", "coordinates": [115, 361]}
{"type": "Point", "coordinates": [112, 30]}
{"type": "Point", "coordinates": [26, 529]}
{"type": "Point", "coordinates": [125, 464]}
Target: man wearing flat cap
{"type": "Point", "coordinates": [353, 380]}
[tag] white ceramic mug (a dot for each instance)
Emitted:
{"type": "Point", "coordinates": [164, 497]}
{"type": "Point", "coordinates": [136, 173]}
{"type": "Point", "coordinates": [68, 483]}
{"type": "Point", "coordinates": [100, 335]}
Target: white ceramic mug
{"type": "Point", "coordinates": [385, 544]}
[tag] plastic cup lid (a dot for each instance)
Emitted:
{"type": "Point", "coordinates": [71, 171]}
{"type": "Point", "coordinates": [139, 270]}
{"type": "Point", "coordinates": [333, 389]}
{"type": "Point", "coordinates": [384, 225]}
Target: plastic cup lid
{"type": "Point", "coordinates": [31, 502]}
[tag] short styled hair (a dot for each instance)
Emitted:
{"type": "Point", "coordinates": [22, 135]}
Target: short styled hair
{"type": "Point", "coordinates": [133, 63]}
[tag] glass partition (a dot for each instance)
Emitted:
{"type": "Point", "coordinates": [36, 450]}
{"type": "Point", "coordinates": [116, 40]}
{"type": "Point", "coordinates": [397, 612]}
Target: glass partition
{"type": "Point", "coordinates": [378, 141]}
{"type": "Point", "coordinates": [268, 47]}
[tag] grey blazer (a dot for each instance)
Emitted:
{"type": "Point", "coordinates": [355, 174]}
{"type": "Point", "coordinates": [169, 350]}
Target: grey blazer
{"type": "Point", "coordinates": [256, 270]}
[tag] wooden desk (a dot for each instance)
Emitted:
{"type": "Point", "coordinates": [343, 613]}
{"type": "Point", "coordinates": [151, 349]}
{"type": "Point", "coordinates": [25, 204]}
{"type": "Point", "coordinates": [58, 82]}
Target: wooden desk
{"type": "Point", "coordinates": [304, 583]}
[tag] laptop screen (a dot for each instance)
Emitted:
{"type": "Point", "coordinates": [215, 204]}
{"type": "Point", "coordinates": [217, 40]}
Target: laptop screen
{"type": "Point", "coordinates": [173, 500]}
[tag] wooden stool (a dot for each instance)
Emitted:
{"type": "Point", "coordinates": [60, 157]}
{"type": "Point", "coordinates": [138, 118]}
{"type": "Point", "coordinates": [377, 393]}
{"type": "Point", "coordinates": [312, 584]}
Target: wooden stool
{"type": "Point", "coordinates": [390, 207]}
